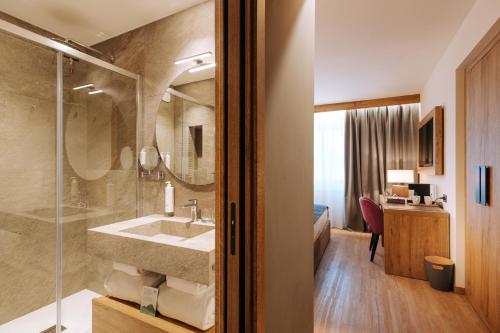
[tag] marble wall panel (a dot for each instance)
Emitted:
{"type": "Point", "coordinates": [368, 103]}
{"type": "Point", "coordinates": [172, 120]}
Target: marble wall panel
{"type": "Point", "coordinates": [151, 51]}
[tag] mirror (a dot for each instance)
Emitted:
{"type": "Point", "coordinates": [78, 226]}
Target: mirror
{"type": "Point", "coordinates": [126, 158]}
{"type": "Point", "coordinates": [185, 127]}
{"type": "Point", "coordinates": [149, 158]}
{"type": "Point", "coordinates": [87, 135]}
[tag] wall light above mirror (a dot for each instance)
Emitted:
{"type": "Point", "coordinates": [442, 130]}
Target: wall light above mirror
{"type": "Point", "coordinates": [196, 58]}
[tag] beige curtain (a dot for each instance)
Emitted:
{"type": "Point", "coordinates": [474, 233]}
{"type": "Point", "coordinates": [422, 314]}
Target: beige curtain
{"type": "Point", "coordinates": [376, 139]}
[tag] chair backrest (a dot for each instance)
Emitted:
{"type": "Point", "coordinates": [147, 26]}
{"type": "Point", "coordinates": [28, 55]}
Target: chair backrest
{"type": "Point", "coordinates": [372, 214]}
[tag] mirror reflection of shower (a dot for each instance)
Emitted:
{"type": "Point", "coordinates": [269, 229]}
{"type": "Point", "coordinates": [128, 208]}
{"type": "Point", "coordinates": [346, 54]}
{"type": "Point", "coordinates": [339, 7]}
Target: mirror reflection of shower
{"type": "Point", "coordinates": [185, 124]}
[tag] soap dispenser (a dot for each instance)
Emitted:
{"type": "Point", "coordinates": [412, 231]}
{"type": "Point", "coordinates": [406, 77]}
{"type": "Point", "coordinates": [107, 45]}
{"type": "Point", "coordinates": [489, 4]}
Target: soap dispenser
{"type": "Point", "coordinates": [75, 190]}
{"type": "Point", "coordinates": [169, 199]}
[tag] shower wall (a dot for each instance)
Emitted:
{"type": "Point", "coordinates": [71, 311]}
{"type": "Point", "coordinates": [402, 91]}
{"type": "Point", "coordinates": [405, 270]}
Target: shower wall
{"type": "Point", "coordinates": [151, 51]}
{"type": "Point", "coordinates": [27, 175]}
{"type": "Point", "coordinates": [100, 149]}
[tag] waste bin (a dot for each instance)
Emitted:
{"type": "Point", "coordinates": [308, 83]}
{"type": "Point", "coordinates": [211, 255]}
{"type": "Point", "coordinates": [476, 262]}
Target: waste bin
{"type": "Point", "coordinates": [440, 272]}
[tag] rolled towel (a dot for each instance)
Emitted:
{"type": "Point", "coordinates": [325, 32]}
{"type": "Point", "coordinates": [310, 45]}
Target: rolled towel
{"type": "Point", "coordinates": [188, 287]}
{"type": "Point", "coordinates": [129, 288]}
{"type": "Point", "coordinates": [195, 310]}
{"type": "Point", "coordinates": [130, 270]}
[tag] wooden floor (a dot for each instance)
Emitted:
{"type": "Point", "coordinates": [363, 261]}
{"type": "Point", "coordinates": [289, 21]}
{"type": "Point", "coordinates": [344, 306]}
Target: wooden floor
{"type": "Point", "coordinates": [354, 295]}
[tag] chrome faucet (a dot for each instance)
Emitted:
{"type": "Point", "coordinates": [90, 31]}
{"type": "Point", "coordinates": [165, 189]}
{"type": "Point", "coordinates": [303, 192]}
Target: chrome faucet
{"type": "Point", "coordinates": [194, 209]}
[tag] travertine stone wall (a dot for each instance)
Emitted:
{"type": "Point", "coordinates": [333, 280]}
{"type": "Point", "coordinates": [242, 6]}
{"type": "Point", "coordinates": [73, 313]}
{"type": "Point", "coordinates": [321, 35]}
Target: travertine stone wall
{"type": "Point", "coordinates": [151, 51]}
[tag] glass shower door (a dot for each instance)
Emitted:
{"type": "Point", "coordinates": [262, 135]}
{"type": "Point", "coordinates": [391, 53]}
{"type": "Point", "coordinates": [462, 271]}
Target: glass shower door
{"type": "Point", "coordinates": [99, 178]}
{"type": "Point", "coordinates": [68, 164]}
{"type": "Point", "coordinates": [27, 185]}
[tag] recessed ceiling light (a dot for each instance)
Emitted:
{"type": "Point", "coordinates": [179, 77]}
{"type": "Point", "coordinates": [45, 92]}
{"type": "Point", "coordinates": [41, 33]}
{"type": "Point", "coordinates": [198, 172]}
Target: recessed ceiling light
{"type": "Point", "coordinates": [201, 67]}
{"type": "Point", "coordinates": [90, 85]}
{"type": "Point", "coordinates": [93, 92]}
{"type": "Point", "coordinates": [193, 58]}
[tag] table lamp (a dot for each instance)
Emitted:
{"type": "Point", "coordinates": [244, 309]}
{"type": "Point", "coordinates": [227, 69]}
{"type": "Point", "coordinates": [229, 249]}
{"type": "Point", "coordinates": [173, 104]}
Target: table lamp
{"type": "Point", "coordinates": [400, 177]}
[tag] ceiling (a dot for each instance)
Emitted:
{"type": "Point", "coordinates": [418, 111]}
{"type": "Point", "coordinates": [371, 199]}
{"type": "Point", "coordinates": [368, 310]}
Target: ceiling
{"type": "Point", "coordinates": [369, 49]}
{"type": "Point", "coordinates": [92, 21]}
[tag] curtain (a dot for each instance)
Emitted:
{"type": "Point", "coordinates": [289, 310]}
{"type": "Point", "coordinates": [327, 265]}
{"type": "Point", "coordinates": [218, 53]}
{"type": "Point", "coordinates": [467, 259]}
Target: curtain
{"type": "Point", "coordinates": [376, 139]}
{"type": "Point", "coordinates": [329, 175]}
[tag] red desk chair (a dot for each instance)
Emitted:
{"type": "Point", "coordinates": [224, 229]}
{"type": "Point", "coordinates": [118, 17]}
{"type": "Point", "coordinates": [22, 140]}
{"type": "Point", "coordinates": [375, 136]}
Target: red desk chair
{"type": "Point", "coordinates": [373, 216]}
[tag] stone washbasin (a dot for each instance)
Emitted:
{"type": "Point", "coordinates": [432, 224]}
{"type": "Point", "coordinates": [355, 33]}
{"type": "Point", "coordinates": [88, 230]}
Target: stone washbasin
{"type": "Point", "coordinates": [173, 246]}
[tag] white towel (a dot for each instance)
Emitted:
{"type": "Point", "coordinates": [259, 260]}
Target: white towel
{"type": "Point", "coordinates": [195, 310]}
{"type": "Point", "coordinates": [189, 287]}
{"type": "Point", "coordinates": [129, 288]}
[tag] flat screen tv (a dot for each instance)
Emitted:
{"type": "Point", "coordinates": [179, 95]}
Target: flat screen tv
{"type": "Point", "coordinates": [426, 144]}
{"type": "Point", "coordinates": [430, 154]}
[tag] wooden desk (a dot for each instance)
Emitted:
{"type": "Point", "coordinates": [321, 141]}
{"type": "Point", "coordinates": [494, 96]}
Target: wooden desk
{"type": "Point", "coordinates": [410, 234]}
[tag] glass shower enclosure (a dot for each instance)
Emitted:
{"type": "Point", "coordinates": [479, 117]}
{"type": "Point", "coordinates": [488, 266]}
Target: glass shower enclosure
{"type": "Point", "coordinates": [68, 147]}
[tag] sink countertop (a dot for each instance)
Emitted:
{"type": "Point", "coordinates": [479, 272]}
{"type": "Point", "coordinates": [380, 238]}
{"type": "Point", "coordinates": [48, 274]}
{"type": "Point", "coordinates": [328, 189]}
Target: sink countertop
{"type": "Point", "coordinates": [178, 251]}
{"type": "Point", "coordinates": [202, 242]}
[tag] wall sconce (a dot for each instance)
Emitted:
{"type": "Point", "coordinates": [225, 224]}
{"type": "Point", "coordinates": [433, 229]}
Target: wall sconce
{"type": "Point", "coordinates": [196, 58]}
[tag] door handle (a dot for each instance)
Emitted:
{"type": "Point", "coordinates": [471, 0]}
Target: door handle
{"type": "Point", "coordinates": [477, 185]}
{"type": "Point", "coordinates": [233, 229]}
{"type": "Point", "coordinates": [482, 185]}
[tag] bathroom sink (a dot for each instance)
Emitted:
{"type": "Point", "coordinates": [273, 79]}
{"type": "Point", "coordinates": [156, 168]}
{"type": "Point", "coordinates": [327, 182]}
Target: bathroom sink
{"type": "Point", "coordinates": [170, 228]}
{"type": "Point", "coordinates": [173, 246]}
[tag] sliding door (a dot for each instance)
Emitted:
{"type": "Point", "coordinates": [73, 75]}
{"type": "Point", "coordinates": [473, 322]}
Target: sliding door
{"type": "Point", "coordinates": [240, 190]}
{"type": "Point", "coordinates": [483, 202]}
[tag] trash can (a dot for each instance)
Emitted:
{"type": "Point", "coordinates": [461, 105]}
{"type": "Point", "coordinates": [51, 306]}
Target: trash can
{"type": "Point", "coordinates": [440, 272]}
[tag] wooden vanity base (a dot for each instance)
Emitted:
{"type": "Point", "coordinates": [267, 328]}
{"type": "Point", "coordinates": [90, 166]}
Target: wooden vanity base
{"type": "Point", "coordinates": [113, 316]}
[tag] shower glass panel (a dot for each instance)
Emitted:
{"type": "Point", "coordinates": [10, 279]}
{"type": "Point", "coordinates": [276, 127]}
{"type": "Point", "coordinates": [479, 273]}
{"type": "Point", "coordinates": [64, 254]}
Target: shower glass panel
{"type": "Point", "coordinates": [68, 164]}
{"type": "Point", "coordinates": [99, 176]}
{"type": "Point", "coordinates": [27, 179]}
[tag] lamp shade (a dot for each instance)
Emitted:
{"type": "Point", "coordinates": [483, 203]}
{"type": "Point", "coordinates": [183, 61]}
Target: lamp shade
{"type": "Point", "coordinates": [400, 176]}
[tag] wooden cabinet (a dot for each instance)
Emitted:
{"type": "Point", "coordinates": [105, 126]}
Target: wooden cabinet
{"type": "Point", "coordinates": [482, 228]}
{"type": "Point", "coordinates": [410, 234]}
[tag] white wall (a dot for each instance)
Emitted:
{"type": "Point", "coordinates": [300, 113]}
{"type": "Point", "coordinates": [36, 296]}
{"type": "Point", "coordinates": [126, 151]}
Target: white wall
{"type": "Point", "coordinates": [440, 89]}
{"type": "Point", "coordinates": [289, 110]}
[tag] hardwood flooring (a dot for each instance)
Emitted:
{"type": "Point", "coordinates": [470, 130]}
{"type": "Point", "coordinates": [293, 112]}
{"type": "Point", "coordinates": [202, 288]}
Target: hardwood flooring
{"type": "Point", "coordinates": [354, 295]}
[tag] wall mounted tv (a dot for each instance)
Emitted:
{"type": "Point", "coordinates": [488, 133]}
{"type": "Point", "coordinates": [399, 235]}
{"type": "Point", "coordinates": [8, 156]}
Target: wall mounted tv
{"type": "Point", "coordinates": [426, 144]}
{"type": "Point", "coordinates": [431, 141]}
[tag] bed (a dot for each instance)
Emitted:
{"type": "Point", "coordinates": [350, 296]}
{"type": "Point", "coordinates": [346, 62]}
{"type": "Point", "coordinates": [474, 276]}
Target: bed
{"type": "Point", "coordinates": [321, 232]}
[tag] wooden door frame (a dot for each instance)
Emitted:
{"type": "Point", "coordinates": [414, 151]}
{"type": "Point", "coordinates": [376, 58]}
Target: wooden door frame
{"type": "Point", "coordinates": [240, 84]}
{"type": "Point", "coordinates": [477, 53]}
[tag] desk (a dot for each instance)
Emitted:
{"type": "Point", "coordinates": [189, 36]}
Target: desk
{"type": "Point", "coordinates": [410, 234]}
